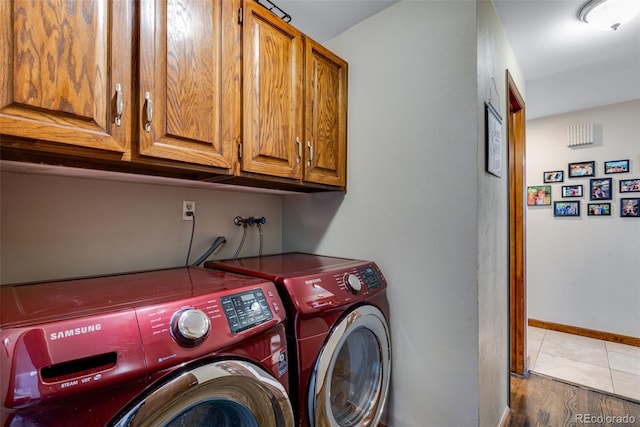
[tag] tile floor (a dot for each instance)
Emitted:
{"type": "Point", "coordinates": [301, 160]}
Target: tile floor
{"type": "Point", "coordinates": [602, 365]}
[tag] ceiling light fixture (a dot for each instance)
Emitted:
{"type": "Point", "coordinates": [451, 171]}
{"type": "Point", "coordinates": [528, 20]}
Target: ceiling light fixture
{"type": "Point", "coordinates": [609, 14]}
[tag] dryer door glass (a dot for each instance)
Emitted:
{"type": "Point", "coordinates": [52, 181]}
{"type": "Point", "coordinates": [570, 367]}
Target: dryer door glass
{"type": "Point", "coordinates": [355, 379]}
{"type": "Point", "coordinates": [350, 382]}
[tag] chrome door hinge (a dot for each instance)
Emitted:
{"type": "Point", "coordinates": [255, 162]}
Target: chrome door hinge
{"type": "Point", "coordinates": [240, 13]}
{"type": "Point", "coordinates": [240, 150]}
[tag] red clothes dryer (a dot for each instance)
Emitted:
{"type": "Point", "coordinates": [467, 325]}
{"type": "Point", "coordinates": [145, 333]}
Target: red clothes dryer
{"type": "Point", "coordinates": [338, 326]}
{"type": "Point", "coordinates": [184, 346]}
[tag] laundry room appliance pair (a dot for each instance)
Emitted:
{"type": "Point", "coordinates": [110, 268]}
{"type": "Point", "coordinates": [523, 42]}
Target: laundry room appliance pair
{"type": "Point", "coordinates": [185, 346]}
{"type": "Point", "coordinates": [338, 334]}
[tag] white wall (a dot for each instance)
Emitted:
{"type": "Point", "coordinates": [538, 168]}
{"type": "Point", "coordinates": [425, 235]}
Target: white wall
{"type": "Point", "coordinates": [416, 167]}
{"type": "Point", "coordinates": [584, 271]}
{"type": "Point", "coordinates": [59, 227]}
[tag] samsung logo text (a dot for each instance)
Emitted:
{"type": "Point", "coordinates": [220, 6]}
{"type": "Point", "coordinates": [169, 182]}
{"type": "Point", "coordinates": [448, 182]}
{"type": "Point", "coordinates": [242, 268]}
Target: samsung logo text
{"type": "Point", "coordinates": [75, 332]}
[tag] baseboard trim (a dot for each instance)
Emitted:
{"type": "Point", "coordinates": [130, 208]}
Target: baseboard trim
{"type": "Point", "coordinates": [590, 333]}
{"type": "Point", "coordinates": [506, 417]}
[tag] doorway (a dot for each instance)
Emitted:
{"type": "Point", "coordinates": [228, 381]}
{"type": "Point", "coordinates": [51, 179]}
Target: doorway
{"type": "Point", "coordinates": [516, 123]}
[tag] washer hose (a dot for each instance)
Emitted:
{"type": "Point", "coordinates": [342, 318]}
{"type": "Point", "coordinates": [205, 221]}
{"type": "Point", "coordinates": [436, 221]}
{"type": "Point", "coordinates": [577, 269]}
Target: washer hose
{"type": "Point", "coordinates": [244, 235]}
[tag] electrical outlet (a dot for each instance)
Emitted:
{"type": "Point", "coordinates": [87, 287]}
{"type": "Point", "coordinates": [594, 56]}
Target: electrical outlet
{"type": "Point", "coordinates": [188, 210]}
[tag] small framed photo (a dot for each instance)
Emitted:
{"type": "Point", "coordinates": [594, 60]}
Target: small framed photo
{"type": "Point", "coordinates": [582, 169]}
{"type": "Point", "coordinates": [494, 140]}
{"type": "Point", "coordinates": [572, 190]}
{"type": "Point", "coordinates": [600, 188]}
{"type": "Point", "coordinates": [553, 176]}
{"type": "Point", "coordinates": [630, 185]}
{"type": "Point", "coordinates": [566, 208]}
{"type": "Point", "coordinates": [599, 209]}
{"type": "Point", "coordinates": [629, 208]}
{"type": "Point", "coordinates": [539, 195]}
{"type": "Point", "coordinates": [616, 166]}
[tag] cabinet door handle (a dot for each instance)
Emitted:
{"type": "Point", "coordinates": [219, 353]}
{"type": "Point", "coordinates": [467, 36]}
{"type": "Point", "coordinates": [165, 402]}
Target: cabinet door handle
{"type": "Point", "coordinates": [149, 110]}
{"type": "Point", "coordinates": [299, 149]}
{"type": "Point", "coordinates": [310, 152]}
{"type": "Point", "coordinates": [119, 104]}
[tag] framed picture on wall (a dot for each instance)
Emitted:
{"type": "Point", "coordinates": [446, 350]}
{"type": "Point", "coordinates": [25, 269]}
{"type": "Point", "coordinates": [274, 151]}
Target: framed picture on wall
{"type": "Point", "coordinates": [553, 176]}
{"type": "Point", "coordinates": [599, 209]}
{"type": "Point", "coordinates": [630, 185]}
{"type": "Point", "coordinates": [572, 190]}
{"type": "Point", "coordinates": [582, 169]}
{"type": "Point", "coordinates": [629, 208]}
{"type": "Point", "coordinates": [566, 208]}
{"type": "Point", "coordinates": [539, 195]}
{"type": "Point", "coordinates": [600, 188]}
{"type": "Point", "coordinates": [616, 166]}
{"type": "Point", "coordinates": [494, 140]}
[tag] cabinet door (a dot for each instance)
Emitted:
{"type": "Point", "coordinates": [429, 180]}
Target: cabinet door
{"type": "Point", "coordinates": [326, 116]}
{"type": "Point", "coordinates": [189, 80]}
{"type": "Point", "coordinates": [272, 94]}
{"type": "Point", "coordinates": [61, 64]}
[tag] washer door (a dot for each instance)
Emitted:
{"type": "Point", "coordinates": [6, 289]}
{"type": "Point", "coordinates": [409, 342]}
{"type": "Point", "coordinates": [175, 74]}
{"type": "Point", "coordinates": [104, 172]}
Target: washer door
{"type": "Point", "coordinates": [225, 393]}
{"type": "Point", "coordinates": [350, 382]}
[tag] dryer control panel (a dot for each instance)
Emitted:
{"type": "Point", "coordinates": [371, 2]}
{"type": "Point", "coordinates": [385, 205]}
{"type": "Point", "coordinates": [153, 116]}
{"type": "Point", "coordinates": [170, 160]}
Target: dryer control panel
{"type": "Point", "coordinates": [326, 290]}
{"type": "Point", "coordinates": [371, 277]}
{"type": "Point", "coordinates": [312, 283]}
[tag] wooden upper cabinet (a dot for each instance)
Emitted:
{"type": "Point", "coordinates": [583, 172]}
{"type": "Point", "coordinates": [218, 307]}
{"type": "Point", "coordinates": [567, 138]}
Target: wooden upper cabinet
{"type": "Point", "coordinates": [272, 94]}
{"type": "Point", "coordinates": [325, 117]}
{"type": "Point", "coordinates": [189, 89]}
{"type": "Point", "coordinates": [61, 64]}
{"type": "Point", "coordinates": [214, 86]}
{"type": "Point", "coordinates": [294, 103]}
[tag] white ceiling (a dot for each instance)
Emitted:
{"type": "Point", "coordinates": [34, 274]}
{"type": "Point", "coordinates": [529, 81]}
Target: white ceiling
{"type": "Point", "coordinates": [324, 19]}
{"type": "Point", "coordinates": [567, 65]}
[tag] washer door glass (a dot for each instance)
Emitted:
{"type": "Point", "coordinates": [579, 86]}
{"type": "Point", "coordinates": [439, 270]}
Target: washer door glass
{"type": "Point", "coordinates": [227, 393]}
{"type": "Point", "coordinates": [350, 383]}
{"type": "Point", "coordinates": [215, 412]}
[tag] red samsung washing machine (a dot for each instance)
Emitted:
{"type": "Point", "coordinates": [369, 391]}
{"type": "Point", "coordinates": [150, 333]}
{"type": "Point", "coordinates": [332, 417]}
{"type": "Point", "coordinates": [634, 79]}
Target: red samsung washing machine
{"type": "Point", "coordinates": [184, 346]}
{"type": "Point", "coordinates": [337, 322]}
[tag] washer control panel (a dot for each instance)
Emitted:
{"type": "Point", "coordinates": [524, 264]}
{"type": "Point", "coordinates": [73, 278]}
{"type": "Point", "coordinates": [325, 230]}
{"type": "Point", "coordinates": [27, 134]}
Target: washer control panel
{"type": "Point", "coordinates": [178, 331]}
{"type": "Point", "coordinates": [246, 309]}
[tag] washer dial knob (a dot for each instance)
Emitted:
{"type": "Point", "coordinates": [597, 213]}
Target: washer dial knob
{"type": "Point", "coordinates": [353, 283]}
{"type": "Point", "coordinates": [190, 326]}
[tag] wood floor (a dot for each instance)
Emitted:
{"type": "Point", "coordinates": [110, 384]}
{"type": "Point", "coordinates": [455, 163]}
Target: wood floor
{"type": "Point", "coordinates": [541, 401]}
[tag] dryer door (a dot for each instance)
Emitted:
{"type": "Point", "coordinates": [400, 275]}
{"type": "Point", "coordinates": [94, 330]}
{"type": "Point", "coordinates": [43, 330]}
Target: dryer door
{"type": "Point", "coordinates": [350, 382]}
{"type": "Point", "coordinates": [225, 393]}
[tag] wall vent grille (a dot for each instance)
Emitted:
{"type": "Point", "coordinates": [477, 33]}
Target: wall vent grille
{"type": "Point", "coordinates": [578, 135]}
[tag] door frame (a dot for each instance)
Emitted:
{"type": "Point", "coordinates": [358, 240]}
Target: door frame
{"type": "Point", "coordinates": [516, 125]}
